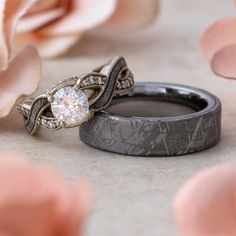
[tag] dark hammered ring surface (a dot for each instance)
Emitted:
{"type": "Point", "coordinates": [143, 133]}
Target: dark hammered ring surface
{"type": "Point", "coordinates": [157, 135]}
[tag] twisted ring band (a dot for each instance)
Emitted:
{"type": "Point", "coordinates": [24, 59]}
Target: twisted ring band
{"type": "Point", "coordinates": [74, 101]}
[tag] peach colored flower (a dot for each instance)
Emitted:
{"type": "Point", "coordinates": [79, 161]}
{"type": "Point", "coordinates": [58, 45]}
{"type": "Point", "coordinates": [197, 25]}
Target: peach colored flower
{"type": "Point", "coordinates": [20, 75]}
{"type": "Point", "coordinates": [36, 201]}
{"type": "Point", "coordinates": [219, 46]}
{"type": "Point", "coordinates": [206, 204]}
{"type": "Point", "coordinates": [55, 25]}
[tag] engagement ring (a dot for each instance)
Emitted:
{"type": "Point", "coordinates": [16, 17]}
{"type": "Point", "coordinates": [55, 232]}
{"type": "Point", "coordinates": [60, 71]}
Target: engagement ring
{"type": "Point", "coordinates": [73, 101]}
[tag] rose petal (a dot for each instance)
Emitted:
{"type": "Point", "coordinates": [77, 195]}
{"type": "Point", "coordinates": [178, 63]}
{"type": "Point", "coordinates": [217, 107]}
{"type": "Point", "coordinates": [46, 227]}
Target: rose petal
{"type": "Point", "coordinates": [28, 202]}
{"type": "Point", "coordinates": [84, 15]}
{"type": "Point", "coordinates": [13, 219]}
{"type": "Point", "coordinates": [132, 14]}
{"type": "Point", "coordinates": [47, 46]}
{"type": "Point", "coordinates": [43, 5]}
{"type": "Point", "coordinates": [78, 211]}
{"type": "Point", "coordinates": [11, 11]}
{"type": "Point", "coordinates": [21, 78]}
{"type": "Point", "coordinates": [37, 200]}
{"type": "Point", "coordinates": [34, 184]}
{"type": "Point", "coordinates": [4, 54]}
{"type": "Point", "coordinates": [223, 62]}
{"type": "Point", "coordinates": [33, 22]}
{"type": "Point", "coordinates": [203, 206]}
{"type": "Point", "coordinates": [235, 201]}
{"type": "Point", "coordinates": [218, 35]}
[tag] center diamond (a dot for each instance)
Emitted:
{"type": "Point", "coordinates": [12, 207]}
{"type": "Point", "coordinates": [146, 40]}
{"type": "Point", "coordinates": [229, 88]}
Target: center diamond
{"type": "Point", "coordinates": [70, 106]}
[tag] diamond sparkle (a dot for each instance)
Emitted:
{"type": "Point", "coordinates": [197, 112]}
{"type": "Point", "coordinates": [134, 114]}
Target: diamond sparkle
{"type": "Point", "coordinates": [70, 106]}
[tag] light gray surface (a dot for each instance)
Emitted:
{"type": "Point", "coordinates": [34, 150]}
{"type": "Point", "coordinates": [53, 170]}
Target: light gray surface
{"type": "Point", "coordinates": [134, 195]}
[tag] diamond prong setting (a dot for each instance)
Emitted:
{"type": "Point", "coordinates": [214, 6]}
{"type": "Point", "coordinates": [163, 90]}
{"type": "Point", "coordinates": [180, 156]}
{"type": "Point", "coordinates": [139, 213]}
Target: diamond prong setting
{"type": "Point", "coordinates": [69, 106]}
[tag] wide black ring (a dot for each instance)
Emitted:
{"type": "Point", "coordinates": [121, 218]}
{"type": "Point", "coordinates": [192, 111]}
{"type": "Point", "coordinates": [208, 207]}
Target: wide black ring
{"type": "Point", "coordinates": [160, 135]}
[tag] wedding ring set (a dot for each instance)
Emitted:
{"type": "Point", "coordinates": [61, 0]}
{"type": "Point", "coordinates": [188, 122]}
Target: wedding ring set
{"type": "Point", "coordinates": [99, 103]}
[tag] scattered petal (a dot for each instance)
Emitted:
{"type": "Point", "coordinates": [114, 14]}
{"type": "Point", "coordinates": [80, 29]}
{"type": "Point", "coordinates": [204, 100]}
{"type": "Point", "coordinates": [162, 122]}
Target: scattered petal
{"type": "Point", "coordinates": [205, 204]}
{"type": "Point", "coordinates": [218, 35]}
{"type": "Point", "coordinates": [223, 62]}
{"type": "Point", "coordinates": [37, 200]}
{"type": "Point", "coordinates": [132, 14]}
{"type": "Point", "coordinates": [21, 78]}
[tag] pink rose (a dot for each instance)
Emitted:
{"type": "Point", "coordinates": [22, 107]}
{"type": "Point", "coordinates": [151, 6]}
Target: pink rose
{"type": "Point", "coordinates": [219, 46]}
{"type": "Point", "coordinates": [20, 75]}
{"type": "Point", "coordinates": [206, 204]}
{"type": "Point", "coordinates": [55, 25]}
{"type": "Point", "coordinates": [36, 200]}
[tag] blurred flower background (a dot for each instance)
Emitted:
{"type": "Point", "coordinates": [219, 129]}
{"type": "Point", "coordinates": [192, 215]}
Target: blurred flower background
{"type": "Point", "coordinates": [36, 200]}
{"type": "Point", "coordinates": [219, 47]}
{"type": "Point", "coordinates": [53, 26]}
{"type": "Point", "coordinates": [19, 74]}
{"type": "Point", "coordinates": [206, 204]}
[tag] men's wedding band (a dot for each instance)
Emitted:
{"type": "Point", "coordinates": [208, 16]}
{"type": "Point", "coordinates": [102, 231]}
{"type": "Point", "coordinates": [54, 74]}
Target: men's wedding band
{"type": "Point", "coordinates": [122, 129]}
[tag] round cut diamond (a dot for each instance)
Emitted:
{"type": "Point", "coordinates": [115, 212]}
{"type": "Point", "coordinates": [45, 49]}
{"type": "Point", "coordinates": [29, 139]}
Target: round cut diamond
{"type": "Point", "coordinates": [70, 106]}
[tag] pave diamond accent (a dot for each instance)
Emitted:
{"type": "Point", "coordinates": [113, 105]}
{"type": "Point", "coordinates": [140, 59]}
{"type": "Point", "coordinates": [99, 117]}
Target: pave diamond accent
{"type": "Point", "coordinates": [70, 106]}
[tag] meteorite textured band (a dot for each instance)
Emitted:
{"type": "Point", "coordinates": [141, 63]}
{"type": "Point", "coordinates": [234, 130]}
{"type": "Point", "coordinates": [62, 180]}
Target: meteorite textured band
{"type": "Point", "coordinates": [73, 101]}
{"type": "Point", "coordinates": [158, 136]}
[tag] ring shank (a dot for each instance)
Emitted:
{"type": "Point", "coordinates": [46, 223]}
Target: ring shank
{"type": "Point", "coordinates": [162, 135]}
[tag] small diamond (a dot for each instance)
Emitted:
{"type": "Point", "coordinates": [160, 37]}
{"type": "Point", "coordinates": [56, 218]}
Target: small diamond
{"type": "Point", "coordinates": [119, 85]}
{"type": "Point", "coordinates": [92, 81]}
{"type": "Point", "coordinates": [51, 125]}
{"type": "Point", "coordinates": [70, 106]}
{"type": "Point", "coordinates": [95, 79]}
{"type": "Point", "coordinates": [85, 83]}
{"type": "Point", "coordinates": [124, 85]}
{"type": "Point", "coordinates": [100, 81]}
{"type": "Point", "coordinates": [44, 122]}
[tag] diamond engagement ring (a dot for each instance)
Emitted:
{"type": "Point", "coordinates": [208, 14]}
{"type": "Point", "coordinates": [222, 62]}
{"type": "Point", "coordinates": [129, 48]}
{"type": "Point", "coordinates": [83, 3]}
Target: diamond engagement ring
{"type": "Point", "coordinates": [73, 101]}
